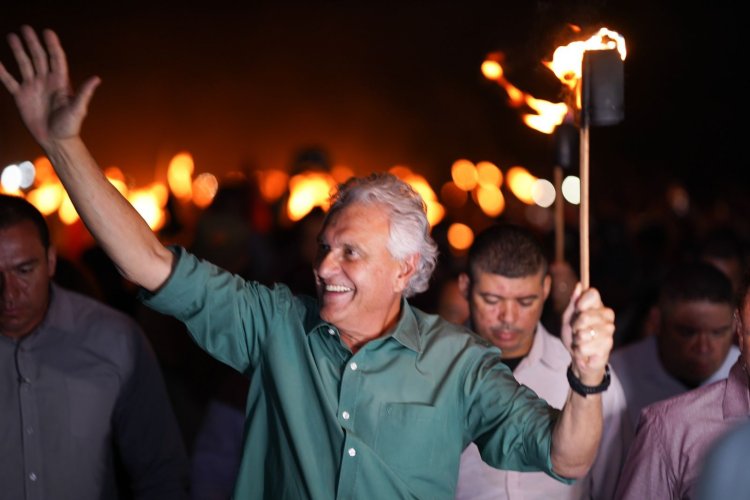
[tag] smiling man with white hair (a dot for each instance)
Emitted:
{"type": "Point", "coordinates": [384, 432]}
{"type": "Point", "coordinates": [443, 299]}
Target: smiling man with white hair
{"type": "Point", "coordinates": [353, 395]}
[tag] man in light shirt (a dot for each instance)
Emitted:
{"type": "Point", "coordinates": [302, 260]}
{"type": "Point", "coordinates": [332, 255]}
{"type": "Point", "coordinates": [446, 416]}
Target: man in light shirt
{"type": "Point", "coordinates": [506, 286]}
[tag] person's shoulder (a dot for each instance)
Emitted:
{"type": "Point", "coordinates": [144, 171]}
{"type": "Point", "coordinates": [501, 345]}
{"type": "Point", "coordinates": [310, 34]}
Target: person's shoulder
{"type": "Point", "coordinates": [623, 355]}
{"type": "Point", "coordinates": [86, 308]}
{"type": "Point", "coordinates": [676, 408]}
{"type": "Point", "coordinates": [86, 317]}
{"type": "Point", "coordinates": [436, 331]}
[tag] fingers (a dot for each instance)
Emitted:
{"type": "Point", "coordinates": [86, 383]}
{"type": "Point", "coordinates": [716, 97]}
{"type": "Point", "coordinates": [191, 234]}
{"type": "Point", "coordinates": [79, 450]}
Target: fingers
{"type": "Point", "coordinates": [9, 82]}
{"type": "Point", "coordinates": [38, 55]}
{"type": "Point", "coordinates": [589, 299]}
{"type": "Point", "coordinates": [570, 309]}
{"type": "Point", "coordinates": [22, 59]}
{"type": "Point", "coordinates": [593, 328]}
{"type": "Point", "coordinates": [33, 60]}
{"type": "Point", "coordinates": [85, 93]}
{"type": "Point", "coordinates": [58, 61]}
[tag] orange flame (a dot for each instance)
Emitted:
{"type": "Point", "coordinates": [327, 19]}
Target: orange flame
{"type": "Point", "coordinates": [566, 65]}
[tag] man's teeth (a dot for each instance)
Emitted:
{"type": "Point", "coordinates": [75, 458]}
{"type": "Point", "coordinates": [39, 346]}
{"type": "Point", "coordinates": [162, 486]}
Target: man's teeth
{"type": "Point", "coordinates": [337, 288]}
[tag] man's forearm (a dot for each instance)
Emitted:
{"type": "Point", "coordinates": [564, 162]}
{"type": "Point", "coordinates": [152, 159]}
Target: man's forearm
{"type": "Point", "coordinates": [110, 218]}
{"type": "Point", "coordinates": [576, 436]}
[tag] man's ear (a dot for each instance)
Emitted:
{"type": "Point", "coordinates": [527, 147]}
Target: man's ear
{"type": "Point", "coordinates": [546, 286]}
{"type": "Point", "coordinates": [407, 268]}
{"type": "Point", "coordinates": [464, 285]}
{"type": "Point", "coordinates": [51, 261]}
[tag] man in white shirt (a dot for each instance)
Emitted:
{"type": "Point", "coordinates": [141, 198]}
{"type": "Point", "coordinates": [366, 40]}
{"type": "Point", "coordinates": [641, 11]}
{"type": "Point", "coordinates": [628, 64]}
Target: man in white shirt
{"type": "Point", "coordinates": [506, 286]}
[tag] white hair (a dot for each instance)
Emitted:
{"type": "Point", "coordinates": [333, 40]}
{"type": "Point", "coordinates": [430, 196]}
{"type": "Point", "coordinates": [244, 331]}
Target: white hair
{"type": "Point", "coordinates": [409, 227]}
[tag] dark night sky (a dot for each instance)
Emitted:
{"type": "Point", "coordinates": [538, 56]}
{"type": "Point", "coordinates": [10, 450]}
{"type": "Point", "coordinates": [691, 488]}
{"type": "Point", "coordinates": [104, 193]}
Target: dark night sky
{"type": "Point", "coordinates": [384, 84]}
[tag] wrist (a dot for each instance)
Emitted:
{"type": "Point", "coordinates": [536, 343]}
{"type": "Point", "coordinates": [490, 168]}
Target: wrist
{"type": "Point", "coordinates": [583, 389]}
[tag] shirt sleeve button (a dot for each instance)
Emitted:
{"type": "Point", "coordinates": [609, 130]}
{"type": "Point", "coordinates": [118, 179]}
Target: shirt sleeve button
{"type": "Point", "coordinates": [352, 452]}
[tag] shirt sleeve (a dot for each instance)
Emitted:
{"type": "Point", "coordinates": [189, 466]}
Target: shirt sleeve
{"type": "Point", "coordinates": [510, 424]}
{"type": "Point", "coordinates": [227, 316]}
{"type": "Point", "coordinates": [146, 434]}
{"type": "Point", "coordinates": [647, 472]}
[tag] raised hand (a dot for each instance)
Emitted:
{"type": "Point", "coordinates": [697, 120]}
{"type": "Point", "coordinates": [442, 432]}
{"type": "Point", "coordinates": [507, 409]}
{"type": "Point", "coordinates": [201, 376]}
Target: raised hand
{"type": "Point", "coordinates": [44, 96]}
{"type": "Point", "coordinates": [587, 330]}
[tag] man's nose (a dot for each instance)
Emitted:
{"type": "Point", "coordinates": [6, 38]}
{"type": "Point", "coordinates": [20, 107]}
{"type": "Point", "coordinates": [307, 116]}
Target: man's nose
{"type": "Point", "coordinates": [704, 343]}
{"type": "Point", "coordinates": [9, 288]}
{"type": "Point", "coordinates": [508, 311]}
{"type": "Point", "coordinates": [327, 264]}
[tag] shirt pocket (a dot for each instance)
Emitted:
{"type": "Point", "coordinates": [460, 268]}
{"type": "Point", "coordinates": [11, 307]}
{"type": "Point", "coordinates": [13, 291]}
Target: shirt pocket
{"type": "Point", "coordinates": [91, 405]}
{"type": "Point", "coordinates": [409, 437]}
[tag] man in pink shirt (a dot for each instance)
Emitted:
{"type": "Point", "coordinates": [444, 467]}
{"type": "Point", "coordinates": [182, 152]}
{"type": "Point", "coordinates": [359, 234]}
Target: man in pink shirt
{"type": "Point", "coordinates": [674, 435]}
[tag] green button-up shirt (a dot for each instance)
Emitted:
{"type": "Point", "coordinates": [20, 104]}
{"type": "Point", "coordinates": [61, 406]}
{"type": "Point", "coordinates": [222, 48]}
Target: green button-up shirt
{"type": "Point", "coordinates": [387, 422]}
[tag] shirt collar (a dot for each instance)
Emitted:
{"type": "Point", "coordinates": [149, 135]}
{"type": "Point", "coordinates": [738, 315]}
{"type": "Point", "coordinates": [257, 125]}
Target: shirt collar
{"type": "Point", "coordinates": [53, 316]}
{"type": "Point", "coordinates": [406, 331]}
{"type": "Point", "coordinates": [736, 394]}
{"type": "Point", "coordinates": [542, 349]}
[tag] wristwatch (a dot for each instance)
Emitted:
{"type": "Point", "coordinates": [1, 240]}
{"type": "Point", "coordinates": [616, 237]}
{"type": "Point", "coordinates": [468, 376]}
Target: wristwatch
{"type": "Point", "coordinates": [584, 390]}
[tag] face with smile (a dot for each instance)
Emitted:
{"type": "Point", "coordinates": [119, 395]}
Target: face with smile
{"type": "Point", "coordinates": [359, 282]}
{"type": "Point", "coordinates": [25, 272]}
{"type": "Point", "coordinates": [505, 311]}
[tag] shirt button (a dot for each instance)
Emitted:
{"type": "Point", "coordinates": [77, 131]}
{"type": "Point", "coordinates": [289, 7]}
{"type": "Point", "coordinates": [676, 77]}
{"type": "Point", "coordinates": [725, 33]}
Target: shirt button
{"type": "Point", "coordinates": [331, 331]}
{"type": "Point", "coordinates": [353, 366]}
{"type": "Point", "coordinates": [345, 415]}
{"type": "Point", "coordinates": [29, 430]}
{"type": "Point", "coordinates": [352, 452]}
{"type": "Point", "coordinates": [32, 476]}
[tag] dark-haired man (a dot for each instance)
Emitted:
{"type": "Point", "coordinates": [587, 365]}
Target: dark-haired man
{"type": "Point", "coordinates": [506, 285]}
{"type": "Point", "coordinates": [693, 346]}
{"type": "Point", "coordinates": [80, 389]}
{"type": "Point", "coordinates": [675, 435]}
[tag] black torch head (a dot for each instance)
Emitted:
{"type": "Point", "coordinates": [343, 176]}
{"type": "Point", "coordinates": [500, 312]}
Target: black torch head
{"type": "Point", "coordinates": [566, 145]}
{"type": "Point", "coordinates": [603, 100]}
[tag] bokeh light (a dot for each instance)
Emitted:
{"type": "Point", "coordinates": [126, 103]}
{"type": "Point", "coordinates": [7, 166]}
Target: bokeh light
{"type": "Point", "coordinates": [543, 193]}
{"type": "Point", "coordinates": [10, 178]}
{"type": "Point", "coordinates": [452, 195]}
{"type": "Point", "coordinates": [47, 197]}
{"type": "Point", "coordinates": [491, 200]}
{"type": "Point", "coordinates": [460, 236]}
{"type": "Point", "coordinates": [571, 189]}
{"type": "Point", "coordinates": [205, 187]}
{"type": "Point", "coordinates": [180, 175]}
{"type": "Point", "coordinates": [464, 174]}
{"type": "Point", "coordinates": [488, 174]}
{"type": "Point", "coordinates": [272, 184]}
{"type": "Point", "coordinates": [521, 183]}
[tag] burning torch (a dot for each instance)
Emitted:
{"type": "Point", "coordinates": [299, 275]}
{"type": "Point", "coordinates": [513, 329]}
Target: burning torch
{"type": "Point", "coordinates": [592, 71]}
